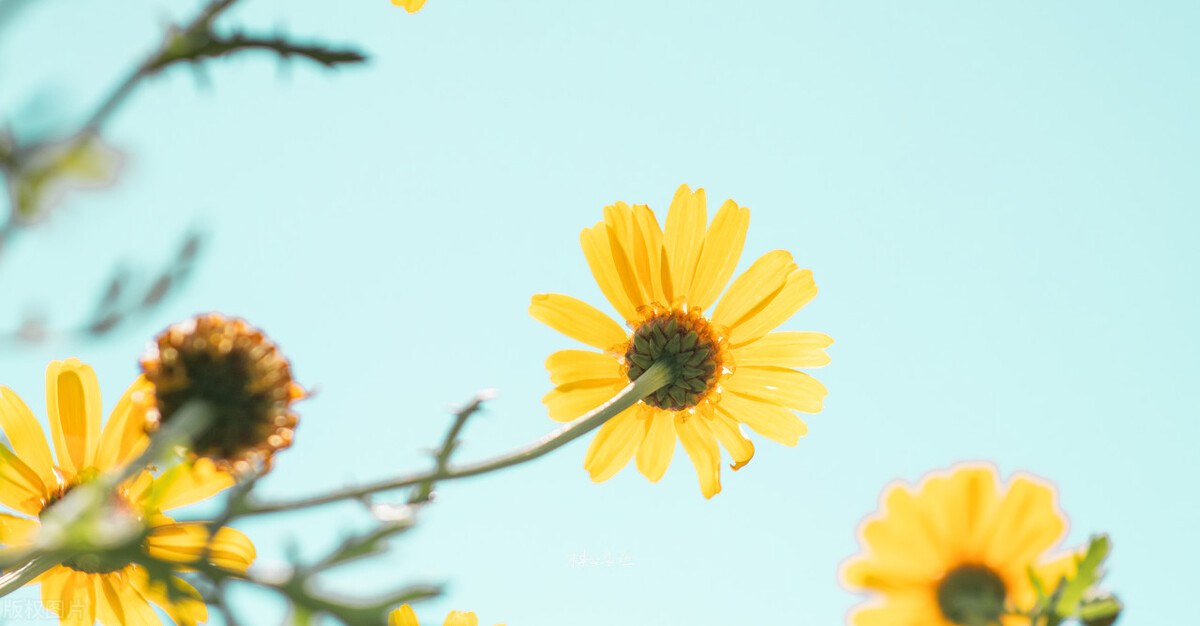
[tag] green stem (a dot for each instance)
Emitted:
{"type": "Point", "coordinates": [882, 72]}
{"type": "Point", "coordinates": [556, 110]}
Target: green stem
{"type": "Point", "coordinates": [449, 444]}
{"type": "Point", "coordinates": [11, 581]}
{"type": "Point", "coordinates": [658, 376]}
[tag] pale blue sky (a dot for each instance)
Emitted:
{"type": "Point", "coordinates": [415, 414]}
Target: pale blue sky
{"type": "Point", "coordinates": [998, 202]}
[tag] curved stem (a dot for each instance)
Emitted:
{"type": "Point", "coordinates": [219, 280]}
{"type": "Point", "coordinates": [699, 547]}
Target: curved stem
{"type": "Point", "coordinates": [11, 581]}
{"type": "Point", "coordinates": [658, 376]}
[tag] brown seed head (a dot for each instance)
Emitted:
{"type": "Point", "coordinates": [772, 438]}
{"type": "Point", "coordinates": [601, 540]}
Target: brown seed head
{"type": "Point", "coordinates": [240, 373]}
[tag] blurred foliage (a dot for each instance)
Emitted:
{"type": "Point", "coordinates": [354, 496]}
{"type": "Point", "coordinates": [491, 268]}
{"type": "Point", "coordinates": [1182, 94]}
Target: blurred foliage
{"type": "Point", "coordinates": [40, 174]}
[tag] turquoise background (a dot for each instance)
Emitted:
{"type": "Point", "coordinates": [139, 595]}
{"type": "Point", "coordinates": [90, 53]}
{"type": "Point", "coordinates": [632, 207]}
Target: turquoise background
{"type": "Point", "coordinates": [998, 202]}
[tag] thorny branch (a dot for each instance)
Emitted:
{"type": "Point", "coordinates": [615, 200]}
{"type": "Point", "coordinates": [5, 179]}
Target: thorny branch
{"type": "Point", "coordinates": [296, 585]}
{"type": "Point", "coordinates": [194, 42]}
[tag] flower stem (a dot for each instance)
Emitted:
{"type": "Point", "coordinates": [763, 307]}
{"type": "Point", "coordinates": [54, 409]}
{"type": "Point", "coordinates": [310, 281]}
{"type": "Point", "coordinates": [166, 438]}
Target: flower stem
{"type": "Point", "coordinates": [654, 378]}
{"type": "Point", "coordinates": [11, 581]}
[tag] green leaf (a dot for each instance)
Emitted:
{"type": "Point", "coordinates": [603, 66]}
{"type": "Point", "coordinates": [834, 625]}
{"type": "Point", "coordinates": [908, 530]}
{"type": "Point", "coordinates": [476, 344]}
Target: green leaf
{"type": "Point", "coordinates": [1101, 611]}
{"type": "Point", "coordinates": [1089, 572]}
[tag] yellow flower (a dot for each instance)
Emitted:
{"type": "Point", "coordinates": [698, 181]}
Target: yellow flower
{"type": "Point", "coordinates": [93, 586]}
{"type": "Point", "coordinates": [956, 550]}
{"type": "Point", "coordinates": [730, 369]}
{"type": "Point", "coordinates": [404, 616]}
{"type": "Point", "coordinates": [241, 373]}
{"type": "Point", "coordinates": [412, 6]}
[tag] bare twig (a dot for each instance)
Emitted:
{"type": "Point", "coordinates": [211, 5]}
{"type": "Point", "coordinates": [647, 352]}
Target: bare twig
{"type": "Point", "coordinates": [654, 378]}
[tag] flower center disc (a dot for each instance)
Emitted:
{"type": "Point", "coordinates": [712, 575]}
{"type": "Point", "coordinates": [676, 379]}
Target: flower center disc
{"type": "Point", "coordinates": [236, 370]}
{"type": "Point", "coordinates": [971, 595]}
{"type": "Point", "coordinates": [686, 341]}
{"type": "Point", "coordinates": [91, 562]}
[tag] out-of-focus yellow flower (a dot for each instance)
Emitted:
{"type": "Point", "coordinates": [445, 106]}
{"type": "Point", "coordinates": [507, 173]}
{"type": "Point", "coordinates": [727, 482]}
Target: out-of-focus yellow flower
{"type": "Point", "coordinates": [50, 170]}
{"type": "Point", "coordinates": [404, 616]}
{"type": "Point", "coordinates": [241, 373]}
{"type": "Point", "coordinates": [730, 369]}
{"type": "Point", "coordinates": [412, 6]}
{"type": "Point", "coordinates": [955, 550]}
{"type": "Point", "coordinates": [94, 587]}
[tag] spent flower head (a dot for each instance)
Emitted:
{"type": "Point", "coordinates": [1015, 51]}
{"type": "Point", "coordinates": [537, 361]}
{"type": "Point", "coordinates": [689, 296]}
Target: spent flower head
{"type": "Point", "coordinates": [236, 370]}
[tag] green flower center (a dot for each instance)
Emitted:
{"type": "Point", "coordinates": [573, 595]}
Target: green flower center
{"type": "Point", "coordinates": [972, 595]}
{"type": "Point", "coordinates": [90, 562]}
{"type": "Point", "coordinates": [687, 342]}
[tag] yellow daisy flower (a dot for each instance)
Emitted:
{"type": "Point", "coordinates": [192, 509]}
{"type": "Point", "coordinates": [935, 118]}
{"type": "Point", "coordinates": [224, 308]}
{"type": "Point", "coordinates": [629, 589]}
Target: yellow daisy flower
{"type": "Point", "coordinates": [404, 616]}
{"type": "Point", "coordinates": [412, 6]}
{"type": "Point", "coordinates": [32, 480]}
{"type": "Point", "coordinates": [955, 550]}
{"type": "Point", "coordinates": [730, 369]}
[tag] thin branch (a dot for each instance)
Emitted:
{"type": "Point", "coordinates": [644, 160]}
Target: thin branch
{"type": "Point", "coordinates": [657, 376]}
{"type": "Point", "coordinates": [442, 458]}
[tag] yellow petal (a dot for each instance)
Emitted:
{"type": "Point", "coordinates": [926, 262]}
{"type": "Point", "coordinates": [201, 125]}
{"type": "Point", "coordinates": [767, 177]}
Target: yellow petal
{"type": "Point", "coordinates": [751, 292]}
{"type": "Point", "coordinates": [906, 540]}
{"type": "Point", "coordinates": [412, 6]}
{"type": "Point", "coordinates": [727, 432]}
{"type": "Point", "coordinates": [598, 251]}
{"type": "Point", "coordinates": [765, 418]}
{"type": "Point", "coordinates": [15, 531]}
{"type": "Point", "coordinates": [624, 250]}
{"type": "Point", "coordinates": [185, 542]}
{"type": "Point", "coordinates": [662, 285]}
{"type": "Point", "coordinates": [186, 609]}
{"type": "Point", "coordinates": [1026, 523]}
{"type": "Point", "coordinates": [909, 609]}
{"type": "Point", "coordinates": [571, 366]}
{"type": "Point", "coordinates": [657, 448]}
{"type": "Point", "coordinates": [904, 543]}
{"type": "Point", "coordinates": [971, 503]}
{"type": "Point", "coordinates": [78, 599]}
{"type": "Point", "coordinates": [577, 320]}
{"type": "Point", "coordinates": [785, 349]}
{"type": "Point", "coordinates": [110, 608]}
{"type": "Point", "coordinates": [798, 290]}
{"type": "Point", "coordinates": [567, 402]}
{"type": "Point", "coordinates": [124, 436]}
{"type": "Point", "coordinates": [26, 435]}
{"type": "Point", "coordinates": [684, 236]}
{"type": "Point", "coordinates": [701, 447]}
{"type": "Point", "coordinates": [778, 385]}
{"type": "Point", "coordinates": [459, 618]}
{"type": "Point", "coordinates": [613, 445]}
{"type": "Point", "coordinates": [403, 616]}
{"type": "Point", "coordinates": [73, 404]}
{"type": "Point", "coordinates": [647, 253]}
{"type": "Point", "coordinates": [124, 603]}
{"type": "Point", "coordinates": [20, 487]}
{"type": "Point", "coordinates": [885, 575]}
{"type": "Point", "coordinates": [187, 483]}
{"type": "Point", "coordinates": [720, 254]}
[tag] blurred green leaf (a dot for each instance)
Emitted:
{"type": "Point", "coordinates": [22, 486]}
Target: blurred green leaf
{"type": "Point", "coordinates": [1101, 611]}
{"type": "Point", "coordinates": [1089, 572]}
